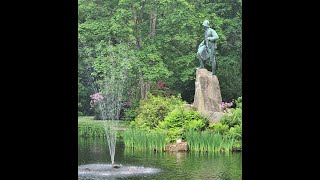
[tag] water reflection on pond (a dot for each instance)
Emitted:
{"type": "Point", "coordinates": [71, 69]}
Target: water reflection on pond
{"type": "Point", "coordinates": [182, 165]}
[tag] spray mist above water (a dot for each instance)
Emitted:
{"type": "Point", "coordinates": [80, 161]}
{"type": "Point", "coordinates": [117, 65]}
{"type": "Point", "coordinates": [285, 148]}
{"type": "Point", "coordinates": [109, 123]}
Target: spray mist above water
{"type": "Point", "coordinates": [109, 105]}
{"type": "Point", "coordinates": [110, 86]}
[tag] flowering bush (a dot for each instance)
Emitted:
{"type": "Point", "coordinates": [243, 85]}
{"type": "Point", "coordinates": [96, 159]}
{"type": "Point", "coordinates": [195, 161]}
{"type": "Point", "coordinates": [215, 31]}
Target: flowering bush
{"type": "Point", "coordinates": [161, 85]}
{"type": "Point", "coordinates": [160, 89]}
{"type": "Point", "coordinates": [226, 105]}
{"type": "Point", "coordinates": [95, 98]}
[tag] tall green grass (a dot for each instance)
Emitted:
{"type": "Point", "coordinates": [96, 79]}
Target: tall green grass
{"type": "Point", "coordinates": [87, 127]}
{"type": "Point", "coordinates": [140, 139]}
{"type": "Point", "coordinates": [91, 129]}
{"type": "Point", "coordinates": [206, 141]}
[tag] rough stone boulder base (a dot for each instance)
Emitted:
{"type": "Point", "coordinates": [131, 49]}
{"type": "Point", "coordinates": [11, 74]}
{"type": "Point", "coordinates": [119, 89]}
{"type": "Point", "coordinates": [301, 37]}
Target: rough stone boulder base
{"type": "Point", "coordinates": [215, 116]}
{"type": "Point", "coordinates": [207, 98]}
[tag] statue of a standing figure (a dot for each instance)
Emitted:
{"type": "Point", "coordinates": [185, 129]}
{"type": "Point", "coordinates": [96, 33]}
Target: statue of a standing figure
{"type": "Point", "coordinates": [207, 47]}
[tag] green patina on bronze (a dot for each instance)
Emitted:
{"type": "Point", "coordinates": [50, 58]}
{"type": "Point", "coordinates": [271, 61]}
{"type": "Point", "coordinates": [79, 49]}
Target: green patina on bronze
{"type": "Point", "coordinates": [207, 48]}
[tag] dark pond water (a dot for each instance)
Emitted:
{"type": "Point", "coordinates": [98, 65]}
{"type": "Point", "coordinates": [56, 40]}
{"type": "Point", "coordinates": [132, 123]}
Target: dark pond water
{"type": "Point", "coordinates": [93, 153]}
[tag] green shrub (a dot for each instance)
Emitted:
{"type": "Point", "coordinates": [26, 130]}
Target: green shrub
{"type": "Point", "coordinates": [181, 120]}
{"type": "Point", "coordinates": [230, 125]}
{"type": "Point", "coordinates": [173, 134]}
{"type": "Point", "coordinates": [232, 119]}
{"type": "Point", "coordinates": [188, 119]}
{"type": "Point", "coordinates": [219, 128]}
{"type": "Point", "coordinates": [238, 102]}
{"type": "Point", "coordinates": [197, 125]}
{"type": "Point", "coordinates": [236, 133]}
{"type": "Point", "coordinates": [130, 114]}
{"type": "Point", "coordinates": [175, 118]}
{"type": "Point", "coordinates": [154, 109]}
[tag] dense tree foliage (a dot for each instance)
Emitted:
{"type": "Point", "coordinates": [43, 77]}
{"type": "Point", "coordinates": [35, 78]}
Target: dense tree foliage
{"type": "Point", "coordinates": [155, 41]}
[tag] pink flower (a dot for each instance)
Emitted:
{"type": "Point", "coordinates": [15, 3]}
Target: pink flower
{"type": "Point", "coordinates": [226, 105]}
{"type": "Point", "coordinates": [95, 98]}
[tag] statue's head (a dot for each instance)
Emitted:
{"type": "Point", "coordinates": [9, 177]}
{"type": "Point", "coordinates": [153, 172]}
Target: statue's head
{"type": "Point", "coordinates": [205, 23]}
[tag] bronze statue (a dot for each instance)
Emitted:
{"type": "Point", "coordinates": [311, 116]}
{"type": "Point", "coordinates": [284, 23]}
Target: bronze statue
{"type": "Point", "coordinates": [207, 47]}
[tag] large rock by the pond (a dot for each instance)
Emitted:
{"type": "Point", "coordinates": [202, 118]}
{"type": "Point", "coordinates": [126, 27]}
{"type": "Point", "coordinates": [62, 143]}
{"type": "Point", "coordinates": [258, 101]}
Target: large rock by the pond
{"type": "Point", "coordinates": [215, 117]}
{"type": "Point", "coordinates": [207, 98]}
{"type": "Point", "coordinates": [175, 147]}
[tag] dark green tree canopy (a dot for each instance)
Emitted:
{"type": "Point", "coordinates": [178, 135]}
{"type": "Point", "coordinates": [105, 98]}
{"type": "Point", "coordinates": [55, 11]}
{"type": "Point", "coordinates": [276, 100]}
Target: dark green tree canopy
{"type": "Point", "coordinates": [156, 41]}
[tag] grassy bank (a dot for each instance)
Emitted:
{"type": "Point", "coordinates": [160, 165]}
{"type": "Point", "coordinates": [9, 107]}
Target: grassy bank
{"type": "Point", "coordinates": [139, 139]}
{"type": "Point", "coordinates": [88, 127]}
{"type": "Point", "coordinates": [208, 142]}
{"type": "Point", "coordinates": [202, 141]}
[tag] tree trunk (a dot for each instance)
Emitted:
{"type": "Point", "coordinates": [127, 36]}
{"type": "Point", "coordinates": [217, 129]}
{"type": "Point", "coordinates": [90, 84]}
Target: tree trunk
{"type": "Point", "coordinates": [144, 88]}
{"type": "Point", "coordinates": [137, 31]}
{"type": "Point", "coordinates": [153, 20]}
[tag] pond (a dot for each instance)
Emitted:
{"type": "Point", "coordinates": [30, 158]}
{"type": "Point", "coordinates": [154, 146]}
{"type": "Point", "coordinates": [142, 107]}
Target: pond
{"type": "Point", "coordinates": [94, 153]}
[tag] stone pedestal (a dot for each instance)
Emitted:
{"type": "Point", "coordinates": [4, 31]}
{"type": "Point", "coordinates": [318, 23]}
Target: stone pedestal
{"type": "Point", "coordinates": [207, 98]}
